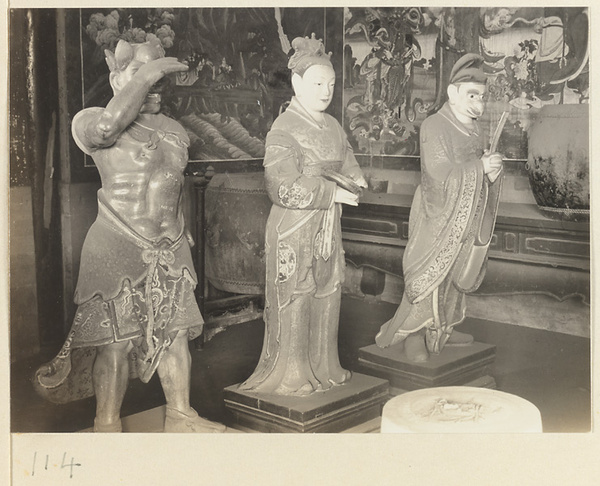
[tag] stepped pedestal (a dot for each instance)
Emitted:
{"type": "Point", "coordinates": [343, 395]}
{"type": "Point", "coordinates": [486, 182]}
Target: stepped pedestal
{"type": "Point", "coordinates": [335, 410]}
{"type": "Point", "coordinates": [460, 365]}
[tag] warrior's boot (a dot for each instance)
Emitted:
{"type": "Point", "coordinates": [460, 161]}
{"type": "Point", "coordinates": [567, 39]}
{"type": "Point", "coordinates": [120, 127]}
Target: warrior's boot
{"type": "Point", "coordinates": [112, 427]}
{"type": "Point", "coordinates": [176, 421]}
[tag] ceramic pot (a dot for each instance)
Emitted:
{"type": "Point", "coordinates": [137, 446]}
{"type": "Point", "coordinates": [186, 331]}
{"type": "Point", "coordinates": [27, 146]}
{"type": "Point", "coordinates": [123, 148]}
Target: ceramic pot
{"type": "Point", "coordinates": [558, 161]}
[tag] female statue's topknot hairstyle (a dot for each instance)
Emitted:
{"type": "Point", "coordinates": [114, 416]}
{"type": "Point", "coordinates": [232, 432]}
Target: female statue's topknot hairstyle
{"type": "Point", "coordinates": [307, 53]}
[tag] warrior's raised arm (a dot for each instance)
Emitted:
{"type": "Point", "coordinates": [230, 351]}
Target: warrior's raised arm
{"type": "Point", "coordinates": [135, 71]}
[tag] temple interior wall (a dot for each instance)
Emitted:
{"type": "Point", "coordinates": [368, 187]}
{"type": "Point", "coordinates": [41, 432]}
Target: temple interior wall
{"type": "Point", "coordinates": [34, 318]}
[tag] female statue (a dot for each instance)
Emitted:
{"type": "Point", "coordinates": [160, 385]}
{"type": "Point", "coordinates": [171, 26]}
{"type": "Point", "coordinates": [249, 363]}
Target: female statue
{"type": "Point", "coordinates": [306, 151]}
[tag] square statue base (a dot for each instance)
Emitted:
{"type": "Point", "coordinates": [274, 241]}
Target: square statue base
{"type": "Point", "coordinates": [455, 365]}
{"type": "Point", "coordinates": [335, 410]}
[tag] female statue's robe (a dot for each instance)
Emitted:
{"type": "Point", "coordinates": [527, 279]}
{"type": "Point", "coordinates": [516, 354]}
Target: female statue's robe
{"type": "Point", "coordinates": [450, 227]}
{"type": "Point", "coordinates": [304, 255]}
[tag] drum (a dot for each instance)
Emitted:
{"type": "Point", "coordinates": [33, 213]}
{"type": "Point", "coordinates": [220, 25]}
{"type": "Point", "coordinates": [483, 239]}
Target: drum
{"type": "Point", "coordinates": [237, 207]}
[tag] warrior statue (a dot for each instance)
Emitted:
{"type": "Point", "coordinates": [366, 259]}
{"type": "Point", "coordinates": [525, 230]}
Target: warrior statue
{"type": "Point", "coordinates": [451, 221]}
{"type": "Point", "coordinates": [310, 171]}
{"type": "Point", "coordinates": [136, 280]}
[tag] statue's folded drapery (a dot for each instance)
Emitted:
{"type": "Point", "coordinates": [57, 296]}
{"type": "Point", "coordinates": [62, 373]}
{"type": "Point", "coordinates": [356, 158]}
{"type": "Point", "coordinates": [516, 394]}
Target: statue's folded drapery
{"type": "Point", "coordinates": [304, 255]}
{"type": "Point", "coordinates": [450, 227]}
{"type": "Point", "coordinates": [129, 289]}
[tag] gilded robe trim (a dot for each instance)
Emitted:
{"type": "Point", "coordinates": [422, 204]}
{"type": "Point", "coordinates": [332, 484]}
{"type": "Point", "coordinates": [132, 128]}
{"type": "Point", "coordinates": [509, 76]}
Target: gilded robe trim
{"type": "Point", "coordinates": [423, 283]}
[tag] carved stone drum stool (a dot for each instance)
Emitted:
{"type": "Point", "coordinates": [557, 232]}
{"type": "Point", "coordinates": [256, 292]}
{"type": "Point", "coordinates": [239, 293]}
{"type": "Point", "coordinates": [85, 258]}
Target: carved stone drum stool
{"type": "Point", "coordinates": [459, 409]}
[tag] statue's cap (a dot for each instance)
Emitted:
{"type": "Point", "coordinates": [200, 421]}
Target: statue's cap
{"type": "Point", "coordinates": [468, 69]}
{"type": "Point", "coordinates": [308, 51]}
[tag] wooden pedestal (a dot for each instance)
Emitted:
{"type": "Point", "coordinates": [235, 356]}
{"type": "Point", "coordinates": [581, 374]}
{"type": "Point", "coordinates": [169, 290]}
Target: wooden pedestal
{"type": "Point", "coordinates": [335, 410]}
{"type": "Point", "coordinates": [465, 365]}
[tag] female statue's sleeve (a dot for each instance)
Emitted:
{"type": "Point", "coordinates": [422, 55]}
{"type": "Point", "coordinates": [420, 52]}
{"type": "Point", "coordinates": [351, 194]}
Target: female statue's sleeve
{"type": "Point", "coordinates": [285, 183]}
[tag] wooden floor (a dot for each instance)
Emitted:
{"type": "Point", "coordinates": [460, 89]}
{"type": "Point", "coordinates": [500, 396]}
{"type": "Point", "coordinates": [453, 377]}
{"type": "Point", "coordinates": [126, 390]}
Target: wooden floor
{"type": "Point", "coordinates": [552, 370]}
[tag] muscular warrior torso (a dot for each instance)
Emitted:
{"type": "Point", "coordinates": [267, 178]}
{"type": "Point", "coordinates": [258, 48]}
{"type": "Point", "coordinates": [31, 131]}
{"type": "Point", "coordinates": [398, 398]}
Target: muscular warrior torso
{"type": "Point", "coordinates": [142, 173]}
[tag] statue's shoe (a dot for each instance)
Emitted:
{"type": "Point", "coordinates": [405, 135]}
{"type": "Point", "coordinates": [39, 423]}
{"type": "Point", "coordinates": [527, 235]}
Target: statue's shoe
{"type": "Point", "coordinates": [191, 422]}
{"type": "Point", "coordinates": [459, 339]}
{"type": "Point", "coordinates": [416, 348]}
{"type": "Point", "coordinates": [114, 427]}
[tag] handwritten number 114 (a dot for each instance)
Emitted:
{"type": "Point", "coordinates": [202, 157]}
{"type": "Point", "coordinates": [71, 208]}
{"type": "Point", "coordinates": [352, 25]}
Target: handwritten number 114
{"type": "Point", "coordinates": [63, 465]}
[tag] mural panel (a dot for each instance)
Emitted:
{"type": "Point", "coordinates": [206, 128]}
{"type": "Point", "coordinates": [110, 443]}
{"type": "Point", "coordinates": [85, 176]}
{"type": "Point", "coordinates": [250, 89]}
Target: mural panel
{"type": "Point", "coordinates": [397, 61]}
{"type": "Point", "coordinates": [238, 77]}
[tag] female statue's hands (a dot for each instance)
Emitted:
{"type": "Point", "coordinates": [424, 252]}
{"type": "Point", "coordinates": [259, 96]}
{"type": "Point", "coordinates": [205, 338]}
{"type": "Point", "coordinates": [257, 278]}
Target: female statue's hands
{"type": "Point", "coordinates": [345, 197]}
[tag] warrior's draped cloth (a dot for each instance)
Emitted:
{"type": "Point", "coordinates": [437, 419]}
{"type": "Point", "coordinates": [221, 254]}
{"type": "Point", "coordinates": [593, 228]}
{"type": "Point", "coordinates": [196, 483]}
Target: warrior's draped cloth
{"type": "Point", "coordinates": [450, 227]}
{"type": "Point", "coordinates": [130, 288]}
{"type": "Point", "coordinates": [304, 255]}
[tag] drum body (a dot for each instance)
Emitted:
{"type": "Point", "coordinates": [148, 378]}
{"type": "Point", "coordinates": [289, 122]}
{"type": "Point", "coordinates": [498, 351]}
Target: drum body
{"type": "Point", "coordinates": [237, 208]}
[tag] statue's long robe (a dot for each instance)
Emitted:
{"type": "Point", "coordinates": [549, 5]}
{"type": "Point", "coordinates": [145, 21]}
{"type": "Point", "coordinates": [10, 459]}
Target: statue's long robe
{"type": "Point", "coordinates": [450, 227]}
{"type": "Point", "coordinates": [304, 255]}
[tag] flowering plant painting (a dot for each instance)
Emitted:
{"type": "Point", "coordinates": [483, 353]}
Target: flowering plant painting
{"type": "Point", "coordinates": [237, 79]}
{"type": "Point", "coordinates": [102, 30]}
{"type": "Point", "coordinates": [132, 26]}
{"type": "Point", "coordinates": [519, 79]}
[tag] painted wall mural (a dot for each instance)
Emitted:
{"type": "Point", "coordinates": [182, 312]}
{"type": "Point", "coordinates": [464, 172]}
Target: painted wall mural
{"type": "Point", "coordinates": [238, 77]}
{"type": "Point", "coordinates": [397, 61]}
